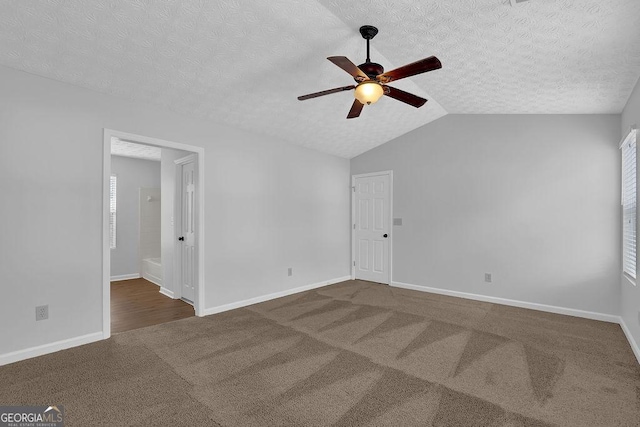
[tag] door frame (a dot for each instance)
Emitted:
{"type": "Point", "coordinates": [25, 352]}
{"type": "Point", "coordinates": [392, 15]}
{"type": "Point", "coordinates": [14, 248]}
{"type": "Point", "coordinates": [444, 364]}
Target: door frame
{"type": "Point", "coordinates": [353, 220]}
{"type": "Point", "coordinates": [106, 251]}
{"type": "Point", "coordinates": [177, 216]}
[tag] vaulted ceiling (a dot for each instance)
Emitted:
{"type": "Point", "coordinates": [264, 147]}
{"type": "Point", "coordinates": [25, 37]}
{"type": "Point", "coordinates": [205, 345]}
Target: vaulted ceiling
{"type": "Point", "coordinates": [244, 63]}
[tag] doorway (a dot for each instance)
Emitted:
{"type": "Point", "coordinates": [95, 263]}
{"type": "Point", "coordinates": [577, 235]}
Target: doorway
{"type": "Point", "coordinates": [174, 271]}
{"type": "Point", "coordinates": [136, 303]}
{"type": "Point", "coordinates": [372, 212]}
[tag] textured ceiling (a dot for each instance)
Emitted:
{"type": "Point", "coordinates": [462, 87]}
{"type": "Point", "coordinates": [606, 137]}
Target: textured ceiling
{"type": "Point", "coordinates": [137, 151]}
{"type": "Point", "coordinates": [541, 56]}
{"type": "Point", "coordinates": [244, 63]}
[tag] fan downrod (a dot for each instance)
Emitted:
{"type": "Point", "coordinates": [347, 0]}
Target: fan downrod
{"type": "Point", "coordinates": [371, 69]}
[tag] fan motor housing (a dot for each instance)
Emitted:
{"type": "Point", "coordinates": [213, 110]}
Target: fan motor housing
{"type": "Point", "coordinates": [371, 69]}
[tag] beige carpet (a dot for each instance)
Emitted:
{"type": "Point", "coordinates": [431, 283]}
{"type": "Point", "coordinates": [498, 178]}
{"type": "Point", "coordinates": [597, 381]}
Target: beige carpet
{"type": "Point", "coordinates": [355, 353]}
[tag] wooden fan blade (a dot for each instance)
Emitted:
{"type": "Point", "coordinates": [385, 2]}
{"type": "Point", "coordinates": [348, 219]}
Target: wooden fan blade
{"type": "Point", "coordinates": [356, 109]}
{"type": "Point", "coordinates": [428, 64]}
{"type": "Point", "coordinates": [406, 97]}
{"type": "Point", "coordinates": [351, 68]}
{"type": "Point", "coordinates": [325, 92]}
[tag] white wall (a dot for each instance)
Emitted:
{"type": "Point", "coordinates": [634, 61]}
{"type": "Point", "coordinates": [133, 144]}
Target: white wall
{"type": "Point", "coordinates": [269, 205]}
{"type": "Point", "coordinates": [168, 195]}
{"type": "Point", "coordinates": [630, 294]}
{"type": "Point", "coordinates": [150, 223]}
{"type": "Point", "coordinates": [532, 199]}
{"type": "Point", "coordinates": [132, 174]}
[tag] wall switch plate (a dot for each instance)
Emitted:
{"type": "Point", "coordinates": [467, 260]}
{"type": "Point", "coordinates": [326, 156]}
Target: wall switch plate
{"type": "Point", "coordinates": [42, 312]}
{"type": "Point", "coordinates": [290, 272]}
{"type": "Point", "coordinates": [487, 277]}
{"type": "Point", "coordinates": [397, 221]}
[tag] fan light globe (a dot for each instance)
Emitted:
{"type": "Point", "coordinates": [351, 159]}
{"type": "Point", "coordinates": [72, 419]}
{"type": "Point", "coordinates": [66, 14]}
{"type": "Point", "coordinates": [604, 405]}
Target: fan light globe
{"type": "Point", "coordinates": [368, 92]}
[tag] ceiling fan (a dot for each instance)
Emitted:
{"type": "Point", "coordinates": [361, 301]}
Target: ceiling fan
{"type": "Point", "coordinates": [372, 80]}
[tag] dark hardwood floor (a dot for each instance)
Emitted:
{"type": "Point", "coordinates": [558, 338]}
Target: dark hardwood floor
{"type": "Point", "coordinates": [138, 303]}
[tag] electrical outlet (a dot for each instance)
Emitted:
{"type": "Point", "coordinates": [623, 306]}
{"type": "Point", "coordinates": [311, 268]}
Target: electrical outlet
{"type": "Point", "coordinates": [290, 272]}
{"type": "Point", "coordinates": [487, 277]}
{"type": "Point", "coordinates": [42, 312]}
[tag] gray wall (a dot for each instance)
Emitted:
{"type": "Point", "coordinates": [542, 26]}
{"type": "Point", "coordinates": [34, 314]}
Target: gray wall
{"type": "Point", "coordinates": [132, 174]}
{"type": "Point", "coordinates": [150, 225]}
{"type": "Point", "coordinates": [533, 199]}
{"type": "Point", "coordinates": [168, 172]}
{"type": "Point", "coordinates": [630, 294]}
{"type": "Point", "coordinates": [269, 205]}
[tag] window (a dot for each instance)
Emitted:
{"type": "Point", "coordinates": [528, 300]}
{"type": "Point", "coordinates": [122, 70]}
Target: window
{"type": "Point", "coordinates": [629, 180]}
{"type": "Point", "coordinates": [112, 211]}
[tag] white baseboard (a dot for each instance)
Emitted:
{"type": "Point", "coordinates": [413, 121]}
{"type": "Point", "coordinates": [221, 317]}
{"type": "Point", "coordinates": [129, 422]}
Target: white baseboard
{"type": "Point", "coordinates": [125, 277]}
{"type": "Point", "coordinates": [153, 279]}
{"type": "Point", "coordinates": [40, 350]}
{"type": "Point", "coordinates": [515, 303]}
{"type": "Point", "coordinates": [167, 292]}
{"type": "Point", "coordinates": [632, 341]}
{"type": "Point", "coordinates": [263, 298]}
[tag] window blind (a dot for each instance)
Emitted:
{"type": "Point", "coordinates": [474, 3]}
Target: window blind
{"type": "Point", "coordinates": [112, 211]}
{"type": "Point", "coordinates": [629, 204]}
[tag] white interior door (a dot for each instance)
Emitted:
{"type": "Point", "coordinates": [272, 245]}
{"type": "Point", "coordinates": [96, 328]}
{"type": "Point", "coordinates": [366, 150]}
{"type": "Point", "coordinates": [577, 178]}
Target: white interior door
{"type": "Point", "coordinates": [187, 232]}
{"type": "Point", "coordinates": [372, 204]}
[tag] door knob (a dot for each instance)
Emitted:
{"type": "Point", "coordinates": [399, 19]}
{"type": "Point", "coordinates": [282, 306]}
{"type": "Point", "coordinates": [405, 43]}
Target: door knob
{"type": "Point", "coordinates": [384, 235]}
{"type": "Point", "coordinates": [181, 238]}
